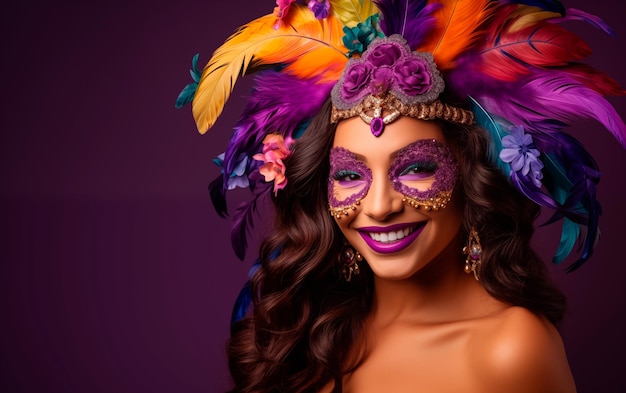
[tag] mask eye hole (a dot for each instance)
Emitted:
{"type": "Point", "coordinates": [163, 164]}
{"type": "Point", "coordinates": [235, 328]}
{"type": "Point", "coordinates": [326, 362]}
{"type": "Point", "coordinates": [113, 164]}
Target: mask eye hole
{"type": "Point", "coordinates": [349, 178]}
{"type": "Point", "coordinates": [424, 169]}
{"type": "Point", "coordinates": [418, 171]}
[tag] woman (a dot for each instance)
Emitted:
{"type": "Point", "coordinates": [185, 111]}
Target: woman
{"type": "Point", "coordinates": [422, 277]}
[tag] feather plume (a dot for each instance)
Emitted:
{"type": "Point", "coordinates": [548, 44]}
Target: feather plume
{"type": "Point", "coordinates": [548, 5]}
{"type": "Point", "coordinates": [494, 128]}
{"type": "Point", "coordinates": [189, 91]}
{"type": "Point", "coordinates": [457, 29]}
{"type": "Point", "coordinates": [546, 45]}
{"type": "Point", "coordinates": [543, 100]}
{"type": "Point", "coordinates": [523, 17]}
{"type": "Point", "coordinates": [556, 96]}
{"type": "Point", "coordinates": [218, 198]}
{"type": "Point", "coordinates": [302, 44]}
{"type": "Point", "coordinates": [279, 103]}
{"type": "Point", "coordinates": [352, 12]}
{"type": "Point", "coordinates": [410, 18]}
{"type": "Point", "coordinates": [569, 234]}
{"type": "Point", "coordinates": [594, 79]}
{"type": "Point", "coordinates": [555, 180]}
{"type": "Point", "coordinates": [243, 220]}
{"type": "Point", "coordinates": [578, 15]}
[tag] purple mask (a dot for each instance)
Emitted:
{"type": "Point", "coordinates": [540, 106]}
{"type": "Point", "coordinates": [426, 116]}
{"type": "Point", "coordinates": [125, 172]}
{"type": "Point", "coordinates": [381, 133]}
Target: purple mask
{"type": "Point", "coordinates": [423, 170]}
{"type": "Point", "coordinates": [349, 178]}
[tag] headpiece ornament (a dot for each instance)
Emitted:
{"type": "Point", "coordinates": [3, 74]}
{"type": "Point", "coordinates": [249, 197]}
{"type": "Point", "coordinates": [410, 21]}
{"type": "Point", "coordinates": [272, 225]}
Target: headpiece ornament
{"type": "Point", "coordinates": [390, 78]}
{"type": "Point", "coordinates": [509, 66]}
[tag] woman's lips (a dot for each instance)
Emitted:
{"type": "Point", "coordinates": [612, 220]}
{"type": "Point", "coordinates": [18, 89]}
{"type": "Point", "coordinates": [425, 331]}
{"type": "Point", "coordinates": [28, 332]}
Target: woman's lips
{"type": "Point", "coordinates": [392, 238]}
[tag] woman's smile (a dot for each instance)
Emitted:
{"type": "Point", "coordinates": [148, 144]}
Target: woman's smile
{"type": "Point", "coordinates": [392, 238]}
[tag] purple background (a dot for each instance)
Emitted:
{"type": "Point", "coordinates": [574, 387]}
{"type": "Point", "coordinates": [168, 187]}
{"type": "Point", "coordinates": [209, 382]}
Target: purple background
{"type": "Point", "coordinates": [116, 275]}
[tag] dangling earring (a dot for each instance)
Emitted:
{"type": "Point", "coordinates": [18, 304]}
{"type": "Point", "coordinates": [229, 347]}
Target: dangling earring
{"type": "Point", "coordinates": [348, 258]}
{"type": "Point", "coordinates": [474, 252]}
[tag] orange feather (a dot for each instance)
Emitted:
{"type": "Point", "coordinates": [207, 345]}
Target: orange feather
{"type": "Point", "coordinates": [307, 47]}
{"type": "Point", "coordinates": [458, 28]}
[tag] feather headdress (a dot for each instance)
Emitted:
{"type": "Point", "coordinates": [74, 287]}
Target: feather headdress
{"type": "Point", "coordinates": [512, 62]}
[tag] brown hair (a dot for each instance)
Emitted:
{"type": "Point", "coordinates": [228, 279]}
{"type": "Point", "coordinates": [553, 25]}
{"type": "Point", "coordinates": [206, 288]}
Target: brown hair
{"type": "Point", "coordinates": [305, 317]}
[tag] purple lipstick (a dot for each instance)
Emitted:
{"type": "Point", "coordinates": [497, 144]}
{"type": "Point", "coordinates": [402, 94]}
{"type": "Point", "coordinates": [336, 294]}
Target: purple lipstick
{"type": "Point", "coordinates": [393, 238]}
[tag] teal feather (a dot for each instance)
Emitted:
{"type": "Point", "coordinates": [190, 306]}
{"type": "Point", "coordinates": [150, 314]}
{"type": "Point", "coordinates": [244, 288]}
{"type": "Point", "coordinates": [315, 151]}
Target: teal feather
{"type": "Point", "coordinates": [569, 234]}
{"type": "Point", "coordinates": [189, 91]}
{"type": "Point", "coordinates": [559, 186]}
{"type": "Point", "coordinates": [493, 127]}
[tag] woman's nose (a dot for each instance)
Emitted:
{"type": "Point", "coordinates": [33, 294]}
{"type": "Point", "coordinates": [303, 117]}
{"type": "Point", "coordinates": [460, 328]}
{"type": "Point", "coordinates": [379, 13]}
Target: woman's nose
{"type": "Point", "coordinates": [382, 201]}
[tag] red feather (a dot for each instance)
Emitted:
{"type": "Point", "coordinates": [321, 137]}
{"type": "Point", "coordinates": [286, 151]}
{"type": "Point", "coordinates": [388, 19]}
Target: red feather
{"type": "Point", "coordinates": [511, 53]}
{"type": "Point", "coordinates": [594, 79]}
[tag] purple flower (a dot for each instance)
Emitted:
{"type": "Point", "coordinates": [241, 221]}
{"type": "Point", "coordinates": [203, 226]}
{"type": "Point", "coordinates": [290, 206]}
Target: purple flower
{"type": "Point", "coordinates": [356, 78]}
{"type": "Point", "coordinates": [320, 8]}
{"type": "Point", "coordinates": [520, 152]}
{"type": "Point", "coordinates": [381, 80]}
{"type": "Point", "coordinates": [384, 54]}
{"type": "Point", "coordinates": [389, 66]}
{"type": "Point", "coordinates": [412, 76]}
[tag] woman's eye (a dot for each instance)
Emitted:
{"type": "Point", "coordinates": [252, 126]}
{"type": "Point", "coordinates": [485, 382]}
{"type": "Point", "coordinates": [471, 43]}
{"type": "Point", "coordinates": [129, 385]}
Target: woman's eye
{"type": "Point", "coordinates": [420, 168]}
{"type": "Point", "coordinates": [346, 176]}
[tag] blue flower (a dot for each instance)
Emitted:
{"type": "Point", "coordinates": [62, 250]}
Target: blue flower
{"type": "Point", "coordinates": [358, 38]}
{"type": "Point", "coordinates": [238, 177]}
{"type": "Point", "coordinates": [520, 152]}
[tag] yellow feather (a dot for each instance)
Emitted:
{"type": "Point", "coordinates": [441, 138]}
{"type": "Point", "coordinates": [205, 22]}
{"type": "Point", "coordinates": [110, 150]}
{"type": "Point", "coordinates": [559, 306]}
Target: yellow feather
{"type": "Point", "coordinates": [527, 16]}
{"type": "Point", "coordinates": [458, 23]}
{"type": "Point", "coordinates": [307, 46]}
{"type": "Point", "coordinates": [351, 12]}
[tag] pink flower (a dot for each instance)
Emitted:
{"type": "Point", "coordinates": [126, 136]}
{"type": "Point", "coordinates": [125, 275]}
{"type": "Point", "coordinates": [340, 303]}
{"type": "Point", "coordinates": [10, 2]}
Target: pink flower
{"type": "Point", "coordinates": [281, 10]}
{"type": "Point", "coordinates": [275, 149]}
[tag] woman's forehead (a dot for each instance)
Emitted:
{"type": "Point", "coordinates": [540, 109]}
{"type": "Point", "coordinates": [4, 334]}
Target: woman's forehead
{"type": "Point", "coordinates": [355, 136]}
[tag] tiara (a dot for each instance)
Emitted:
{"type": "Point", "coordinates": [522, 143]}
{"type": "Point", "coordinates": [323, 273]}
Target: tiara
{"type": "Point", "coordinates": [391, 78]}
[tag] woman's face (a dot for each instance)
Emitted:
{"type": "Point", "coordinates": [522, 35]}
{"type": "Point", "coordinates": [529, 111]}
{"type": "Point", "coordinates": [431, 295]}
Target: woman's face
{"type": "Point", "coordinates": [410, 158]}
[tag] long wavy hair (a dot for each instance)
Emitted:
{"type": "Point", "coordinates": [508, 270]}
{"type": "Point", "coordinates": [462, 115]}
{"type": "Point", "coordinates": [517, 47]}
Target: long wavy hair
{"type": "Point", "coordinates": [305, 319]}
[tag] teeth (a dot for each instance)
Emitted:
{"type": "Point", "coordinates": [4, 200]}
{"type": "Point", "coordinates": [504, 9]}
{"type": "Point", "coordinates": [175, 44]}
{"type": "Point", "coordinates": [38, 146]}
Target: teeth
{"type": "Point", "coordinates": [390, 237]}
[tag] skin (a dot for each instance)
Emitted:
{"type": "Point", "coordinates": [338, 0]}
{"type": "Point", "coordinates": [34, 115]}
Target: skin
{"type": "Point", "coordinates": [434, 328]}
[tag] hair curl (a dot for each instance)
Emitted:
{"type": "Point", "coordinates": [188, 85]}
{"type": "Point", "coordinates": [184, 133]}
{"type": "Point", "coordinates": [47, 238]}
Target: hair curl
{"type": "Point", "coordinates": [305, 317]}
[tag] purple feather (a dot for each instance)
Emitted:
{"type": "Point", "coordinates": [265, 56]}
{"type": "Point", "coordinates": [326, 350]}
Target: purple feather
{"type": "Point", "coordinates": [412, 19]}
{"type": "Point", "coordinates": [218, 198]}
{"type": "Point", "coordinates": [543, 100]}
{"type": "Point", "coordinates": [578, 15]}
{"type": "Point", "coordinates": [243, 221]}
{"type": "Point", "coordinates": [279, 103]}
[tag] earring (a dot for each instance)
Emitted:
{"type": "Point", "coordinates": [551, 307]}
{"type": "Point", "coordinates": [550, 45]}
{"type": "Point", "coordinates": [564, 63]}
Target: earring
{"type": "Point", "coordinates": [348, 258]}
{"type": "Point", "coordinates": [474, 252]}
{"type": "Point", "coordinates": [341, 211]}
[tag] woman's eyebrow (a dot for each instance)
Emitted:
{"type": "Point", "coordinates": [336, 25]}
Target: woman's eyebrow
{"type": "Point", "coordinates": [358, 156]}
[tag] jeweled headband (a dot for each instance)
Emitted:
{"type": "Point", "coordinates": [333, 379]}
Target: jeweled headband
{"type": "Point", "coordinates": [509, 66]}
{"type": "Point", "coordinates": [389, 80]}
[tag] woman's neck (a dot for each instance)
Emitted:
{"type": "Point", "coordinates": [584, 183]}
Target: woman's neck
{"type": "Point", "coordinates": [441, 292]}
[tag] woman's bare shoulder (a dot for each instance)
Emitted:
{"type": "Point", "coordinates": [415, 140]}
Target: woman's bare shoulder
{"type": "Point", "coordinates": [516, 350]}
